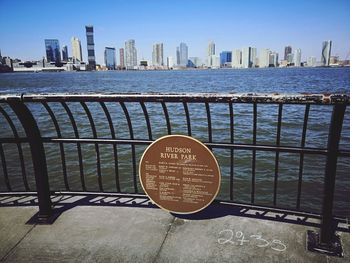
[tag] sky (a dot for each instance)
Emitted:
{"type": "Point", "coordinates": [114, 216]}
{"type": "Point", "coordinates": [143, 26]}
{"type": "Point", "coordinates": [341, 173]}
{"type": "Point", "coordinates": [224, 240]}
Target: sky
{"type": "Point", "coordinates": [231, 24]}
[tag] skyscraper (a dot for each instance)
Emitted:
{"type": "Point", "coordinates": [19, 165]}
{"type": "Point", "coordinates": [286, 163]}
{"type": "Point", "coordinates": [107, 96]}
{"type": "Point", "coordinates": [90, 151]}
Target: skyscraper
{"type": "Point", "coordinates": [264, 58]}
{"type": "Point", "coordinates": [110, 60]}
{"type": "Point", "coordinates": [225, 58]}
{"type": "Point", "coordinates": [237, 58]}
{"type": "Point", "coordinates": [287, 50]}
{"type": "Point", "coordinates": [211, 48]}
{"type": "Point", "coordinates": [121, 58]}
{"type": "Point", "coordinates": [53, 52]}
{"type": "Point", "coordinates": [183, 54]}
{"type": "Point", "coordinates": [326, 52]}
{"type": "Point", "coordinates": [157, 55]}
{"type": "Point", "coordinates": [170, 62]}
{"type": "Point", "coordinates": [273, 59]}
{"type": "Point", "coordinates": [130, 54]}
{"type": "Point", "coordinates": [178, 56]}
{"type": "Point", "coordinates": [65, 53]}
{"type": "Point", "coordinates": [253, 55]}
{"type": "Point", "coordinates": [90, 47]}
{"type": "Point", "coordinates": [297, 57]}
{"type": "Point", "coordinates": [76, 49]}
{"type": "Point", "coordinates": [247, 57]}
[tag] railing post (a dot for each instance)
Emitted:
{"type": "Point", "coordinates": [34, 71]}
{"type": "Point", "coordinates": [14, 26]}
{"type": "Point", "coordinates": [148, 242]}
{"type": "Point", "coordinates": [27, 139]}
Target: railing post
{"type": "Point", "coordinates": [327, 241]}
{"type": "Point", "coordinates": [39, 160]}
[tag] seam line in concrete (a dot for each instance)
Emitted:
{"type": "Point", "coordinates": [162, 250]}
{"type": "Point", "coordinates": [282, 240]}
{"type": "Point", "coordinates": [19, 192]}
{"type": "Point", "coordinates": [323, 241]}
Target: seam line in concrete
{"type": "Point", "coordinates": [165, 237]}
{"type": "Point", "coordinates": [13, 248]}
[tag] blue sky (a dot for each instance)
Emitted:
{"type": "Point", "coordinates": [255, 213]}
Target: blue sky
{"type": "Point", "coordinates": [230, 24]}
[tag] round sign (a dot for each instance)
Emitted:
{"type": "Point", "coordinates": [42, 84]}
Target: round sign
{"type": "Point", "coordinates": [179, 174]}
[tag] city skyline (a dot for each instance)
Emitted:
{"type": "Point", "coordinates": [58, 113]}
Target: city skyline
{"type": "Point", "coordinates": [307, 30]}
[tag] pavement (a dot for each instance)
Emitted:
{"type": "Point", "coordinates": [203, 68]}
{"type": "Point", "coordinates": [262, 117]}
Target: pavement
{"type": "Point", "coordinates": [129, 229]}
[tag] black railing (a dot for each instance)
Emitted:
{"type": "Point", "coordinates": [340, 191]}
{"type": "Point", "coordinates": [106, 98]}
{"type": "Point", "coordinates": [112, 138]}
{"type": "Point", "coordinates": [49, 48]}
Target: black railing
{"type": "Point", "coordinates": [25, 114]}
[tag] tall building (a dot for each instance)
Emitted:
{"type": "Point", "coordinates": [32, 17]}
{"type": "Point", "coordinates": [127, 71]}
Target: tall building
{"type": "Point", "coordinates": [76, 49]}
{"type": "Point", "coordinates": [177, 56]}
{"type": "Point", "coordinates": [297, 57]}
{"type": "Point", "coordinates": [225, 58]}
{"type": "Point", "coordinates": [110, 60]}
{"type": "Point", "coordinates": [211, 48]}
{"type": "Point", "coordinates": [157, 55]}
{"type": "Point", "coordinates": [253, 57]}
{"type": "Point", "coordinates": [65, 53]}
{"type": "Point", "coordinates": [247, 57]}
{"type": "Point", "coordinates": [121, 58]}
{"type": "Point", "coordinates": [326, 53]}
{"type": "Point", "coordinates": [183, 54]}
{"type": "Point", "coordinates": [237, 58]}
{"type": "Point", "coordinates": [130, 54]}
{"type": "Point", "coordinates": [90, 47]}
{"type": "Point", "coordinates": [53, 52]}
{"type": "Point", "coordinates": [264, 58]}
{"type": "Point", "coordinates": [273, 59]}
{"type": "Point", "coordinates": [170, 62]}
{"type": "Point", "coordinates": [287, 50]}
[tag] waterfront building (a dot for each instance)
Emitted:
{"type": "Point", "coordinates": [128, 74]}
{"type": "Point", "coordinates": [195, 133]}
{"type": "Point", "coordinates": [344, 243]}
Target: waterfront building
{"type": "Point", "coordinates": [76, 50]}
{"type": "Point", "coordinates": [90, 47]}
{"type": "Point", "coordinates": [65, 53]}
{"type": "Point", "coordinates": [170, 62]}
{"type": "Point", "coordinates": [53, 52]}
{"type": "Point", "coordinates": [297, 57]}
{"type": "Point", "coordinates": [121, 58]}
{"type": "Point", "coordinates": [273, 59]}
{"type": "Point", "coordinates": [253, 57]}
{"type": "Point", "coordinates": [130, 54]}
{"type": "Point", "coordinates": [326, 53]}
{"type": "Point", "coordinates": [248, 55]}
{"type": "Point", "coordinates": [110, 60]}
{"type": "Point", "coordinates": [311, 62]}
{"type": "Point", "coordinates": [183, 49]}
{"type": "Point", "coordinates": [215, 61]}
{"type": "Point", "coordinates": [157, 55]}
{"type": "Point", "coordinates": [225, 58]}
{"type": "Point", "coordinates": [237, 58]}
{"type": "Point", "coordinates": [194, 62]}
{"type": "Point", "coordinates": [290, 58]}
{"type": "Point", "coordinates": [211, 48]}
{"type": "Point", "coordinates": [264, 58]}
{"type": "Point", "coordinates": [287, 51]}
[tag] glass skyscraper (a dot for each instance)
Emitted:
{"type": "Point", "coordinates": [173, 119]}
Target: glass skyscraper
{"type": "Point", "coordinates": [225, 58]}
{"type": "Point", "coordinates": [287, 51]}
{"type": "Point", "coordinates": [130, 54]}
{"type": "Point", "coordinates": [326, 53]}
{"type": "Point", "coordinates": [65, 53]}
{"type": "Point", "coordinates": [53, 52]}
{"type": "Point", "coordinates": [110, 59]}
{"type": "Point", "coordinates": [183, 55]}
{"type": "Point", "coordinates": [90, 47]}
{"type": "Point", "coordinates": [157, 55]}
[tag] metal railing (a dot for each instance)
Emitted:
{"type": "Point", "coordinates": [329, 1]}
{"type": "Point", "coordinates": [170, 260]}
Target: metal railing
{"type": "Point", "coordinates": [21, 112]}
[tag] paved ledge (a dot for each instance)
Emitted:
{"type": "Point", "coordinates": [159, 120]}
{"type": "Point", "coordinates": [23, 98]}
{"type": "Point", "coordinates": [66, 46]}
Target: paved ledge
{"type": "Point", "coordinates": [130, 231]}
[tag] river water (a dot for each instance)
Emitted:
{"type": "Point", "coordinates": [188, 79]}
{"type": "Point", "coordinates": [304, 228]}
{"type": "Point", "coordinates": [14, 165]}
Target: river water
{"type": "Point", "coordinates": [289, 80]}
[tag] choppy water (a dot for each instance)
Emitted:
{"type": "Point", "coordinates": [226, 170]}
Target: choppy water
{"type": "Point", "coordinates": [318, 80]}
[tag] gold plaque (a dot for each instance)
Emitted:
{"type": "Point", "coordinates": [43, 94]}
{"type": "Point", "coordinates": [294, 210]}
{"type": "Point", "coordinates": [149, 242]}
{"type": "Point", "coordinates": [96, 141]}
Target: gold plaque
{"type": "Point", "coordinates": [179, 174]}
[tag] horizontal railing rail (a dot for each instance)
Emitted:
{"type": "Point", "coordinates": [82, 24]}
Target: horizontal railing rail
{"type": "Point", "coordinates": [92, 120]}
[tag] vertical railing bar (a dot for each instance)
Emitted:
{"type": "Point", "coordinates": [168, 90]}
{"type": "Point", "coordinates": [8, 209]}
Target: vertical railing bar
{"type": "Point", "coordinates": [59, 135]}
{"type": "Point", "coordinates": [232, 151]}
{"type": "Point", "coordinates": [335, 128]}
{"type": "Point", "coordinates": [301, 160]}
{"type": "Point", "coordinates": [97, 150]}
{"type": "Point", "coordinates": [166, 114]}
{"type": "Point", "coordinates": [115, 151]}
{"type": "Point", "coordinates": [4, 168]}
{"type": "Point", "coordinates": [210, 134]}
{"type": "Point", "coordinates": [32, 131]}
{"type": "Point", "coordinates": [126, 113]}
{"type": "Point", "coordinates": [278, 140]}
{"type": "Point", "coordinates": [19, 148]}
{"type": "Point", "coordinates": [148, 123]}
{"type": "Point", "coordinates": [76, 134]}
{"type": "Point", "coordinates": [188, 120]}
{"type": "Point", "coordinates": [254, 152]}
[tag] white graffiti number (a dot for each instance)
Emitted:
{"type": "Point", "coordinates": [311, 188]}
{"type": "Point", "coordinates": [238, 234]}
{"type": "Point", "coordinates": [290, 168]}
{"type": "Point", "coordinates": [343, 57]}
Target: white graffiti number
{"type": "Point", "coordinates": [228, 236]}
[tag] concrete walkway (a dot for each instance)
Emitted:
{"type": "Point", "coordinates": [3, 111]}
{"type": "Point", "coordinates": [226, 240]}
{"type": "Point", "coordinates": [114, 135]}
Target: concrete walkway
{"type": "Point", "coordinates": [110, 230]}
